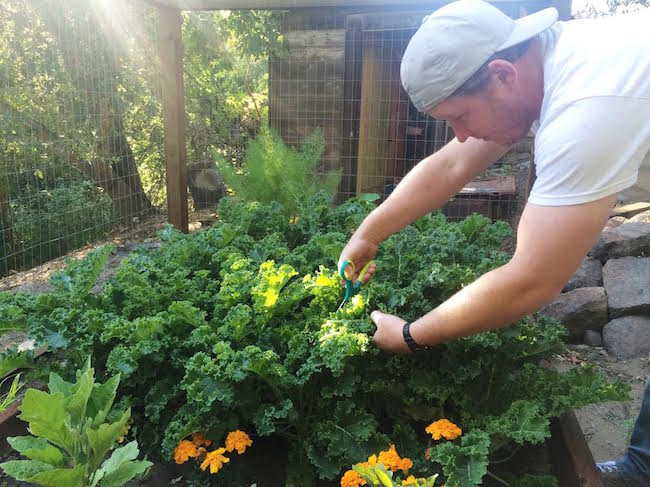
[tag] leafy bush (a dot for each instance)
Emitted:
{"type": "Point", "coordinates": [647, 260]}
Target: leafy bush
{"type": "Point", "coordinates": [273, 171]}
{"type": "Point", "coordinates": [234, 327]}
{"type": "Point", "coordinates": [51, 222]}
{"type": "Point", "coordinates": [73, 427]}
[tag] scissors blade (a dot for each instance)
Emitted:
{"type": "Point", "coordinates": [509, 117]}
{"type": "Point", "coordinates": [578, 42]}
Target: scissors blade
{"type": "Point", "coordinates": [340, 306]}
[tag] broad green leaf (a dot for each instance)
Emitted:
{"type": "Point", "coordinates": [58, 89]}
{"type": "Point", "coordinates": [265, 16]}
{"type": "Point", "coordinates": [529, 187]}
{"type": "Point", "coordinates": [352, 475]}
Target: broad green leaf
{"type": "Point", "coordinates": [81, 390]}
{"type": "Point", "coordinates": [36, 449]}
{"type": "Point", "coordinates": [384, 476]}
{"type": "Point", "coordinates": [45, 414]}
{"type": "Point", "coordinates": [101, 400]}
{"type": "Point", "coordinates": [68, 477]}
{"type": "Point", "coordinates": [9, 363]}
{"type": "Point", "coordinates": [125, 472]}
{"type": "Point", "coordinates": [24, 469]}
{"type": "Point", "coordinates": [57, 384]}
{"type": "Point", "coordinates": [120, 455]}
{"type": "Point", "coordinates": [102, 438]}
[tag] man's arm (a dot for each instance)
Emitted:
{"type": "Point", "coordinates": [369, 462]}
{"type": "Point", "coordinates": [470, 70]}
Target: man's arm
{"type": "Point", "coordinates": [551, 243]}
{"type": "Point", "coordinates": [429, 185]}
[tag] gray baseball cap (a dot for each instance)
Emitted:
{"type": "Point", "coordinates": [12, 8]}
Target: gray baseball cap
{"type": "Point", "coordinates": [455, 41]}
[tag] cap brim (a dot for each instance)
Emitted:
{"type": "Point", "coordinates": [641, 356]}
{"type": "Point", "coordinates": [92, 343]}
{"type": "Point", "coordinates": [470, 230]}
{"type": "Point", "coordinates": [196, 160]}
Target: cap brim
{"type": "Point", "coordinates": [529, 26]}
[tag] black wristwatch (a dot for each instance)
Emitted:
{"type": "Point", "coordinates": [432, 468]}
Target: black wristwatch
{"type": "Point", "coordinates": [413, 346]}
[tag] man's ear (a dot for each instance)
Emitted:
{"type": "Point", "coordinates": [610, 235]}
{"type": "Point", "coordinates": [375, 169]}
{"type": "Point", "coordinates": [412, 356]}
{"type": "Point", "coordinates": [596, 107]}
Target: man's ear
{"type": "Point", "coordinates": [503, 71]}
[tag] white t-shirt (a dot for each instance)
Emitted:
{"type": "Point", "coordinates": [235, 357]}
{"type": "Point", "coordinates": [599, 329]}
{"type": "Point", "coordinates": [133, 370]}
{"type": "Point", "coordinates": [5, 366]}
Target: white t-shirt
{"type": "Point", "coordinates": [594, 126]}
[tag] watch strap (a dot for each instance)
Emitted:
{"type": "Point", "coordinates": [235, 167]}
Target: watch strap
{"type": "Point", "coordinates": [412, 344]}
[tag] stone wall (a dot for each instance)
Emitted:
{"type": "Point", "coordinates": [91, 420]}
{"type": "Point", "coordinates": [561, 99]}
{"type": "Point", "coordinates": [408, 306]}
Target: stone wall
{"type": "Point", "coordinates": [607, 301]}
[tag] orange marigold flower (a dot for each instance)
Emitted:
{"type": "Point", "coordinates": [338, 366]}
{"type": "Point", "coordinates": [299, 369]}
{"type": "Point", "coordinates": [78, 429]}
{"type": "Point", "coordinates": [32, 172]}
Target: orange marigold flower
{"type": "Point", "coordinates": [392, 460]}
{"type": "Point", "coordinates": [410, 480]}
{"type": "Point", "coordinates": [184, 451]}
{"type": "Point", "coordinates": [352, 479]}
{"type": "Point", "coordinates": [214, 460]}
{"type": "Point", "coordinates": [199, 440]}
{"type": "Point", "coordinates": [404, 464]}
{"type": "Point", "coordinates": [443, 428]}
{"type": "Point", "coordinates": [238, 440]}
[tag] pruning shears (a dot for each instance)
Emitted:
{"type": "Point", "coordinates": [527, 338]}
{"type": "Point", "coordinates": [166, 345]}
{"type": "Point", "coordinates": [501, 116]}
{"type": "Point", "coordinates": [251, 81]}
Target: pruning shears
{"type": "Point", "coordinates": [351, 289]}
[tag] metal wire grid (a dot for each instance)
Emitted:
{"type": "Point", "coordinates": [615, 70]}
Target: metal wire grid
{"type": "Point", "coordinates": [77, 161]}
{"type": "Point", "coordinates": [82, 150]}
{"type": "Point", "coordinates": [341, 74]}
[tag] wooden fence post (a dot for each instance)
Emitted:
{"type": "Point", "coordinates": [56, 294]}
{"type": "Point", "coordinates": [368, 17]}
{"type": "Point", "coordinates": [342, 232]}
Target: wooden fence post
{"type": "Point", "coordinates": [170, 45]}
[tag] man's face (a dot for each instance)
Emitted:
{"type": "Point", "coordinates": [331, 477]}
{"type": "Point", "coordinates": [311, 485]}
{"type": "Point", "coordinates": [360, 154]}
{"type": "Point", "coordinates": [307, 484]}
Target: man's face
{"type": "Point", "coordinates": [494, 114]}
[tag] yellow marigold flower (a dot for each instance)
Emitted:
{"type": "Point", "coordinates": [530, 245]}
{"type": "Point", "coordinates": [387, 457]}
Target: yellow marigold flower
{"type": "Point", "coordinates": [352, 479]}
{"type": "Point", "coordinates": [199, 440]}
{"type": "Point", "coordinates": [443, 428]}
{"type": "Point", "coordinates": [410, 480]}
{"type": "Point", "coordinates": [214, 460]}
{"type": "Point", "coordinates": [184, 451]}
{"type": "Point", "coordinates": [238, 440]}
{"type": "Point", "coordinates": [392, 460]}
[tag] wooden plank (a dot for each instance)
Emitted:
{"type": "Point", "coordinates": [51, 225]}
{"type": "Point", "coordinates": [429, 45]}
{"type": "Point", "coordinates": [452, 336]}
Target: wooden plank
{"type": "Point", "coordinates": [324, 45]}
{"type": "Point", "coordinates": [373, 131]}
{"type": "Point", "coordinates": [173, 104]}
{"type": "Point", "coordinates": [573, 461]}
{"type": "Point", "coordinates": [496, 186]}
{"type": "Point", "coordinates": [630, 210]}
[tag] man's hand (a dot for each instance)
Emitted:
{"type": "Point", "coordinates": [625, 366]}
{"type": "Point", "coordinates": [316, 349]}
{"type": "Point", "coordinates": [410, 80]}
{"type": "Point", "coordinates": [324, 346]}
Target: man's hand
{"type": "Point", "coordinates": [360, 251]}
{"type": "Point", "coordinates": [389, 336]}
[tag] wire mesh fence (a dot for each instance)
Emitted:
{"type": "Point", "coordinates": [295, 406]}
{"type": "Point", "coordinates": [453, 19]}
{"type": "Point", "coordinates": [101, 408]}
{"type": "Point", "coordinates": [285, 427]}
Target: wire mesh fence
{"type": "Point", "coordinates": [341, 73]}
{"type": "Point", "coordinates": [80, 130]}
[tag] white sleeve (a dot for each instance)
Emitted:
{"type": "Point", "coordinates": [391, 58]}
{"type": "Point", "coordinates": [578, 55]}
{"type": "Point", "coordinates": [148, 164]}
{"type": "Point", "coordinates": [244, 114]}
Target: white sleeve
{"type": "Point", "coordinates": [589, 150]}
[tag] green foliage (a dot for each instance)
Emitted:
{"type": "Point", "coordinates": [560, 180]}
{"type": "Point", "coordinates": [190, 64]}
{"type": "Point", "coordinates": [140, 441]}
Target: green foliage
{"type": "Point", "coordinates": [71, 436]}
{"type": "Point", "coordinates": [234, 327]}
{"type": "Point", "coordinates": [464, 464]}
{"type": "Point", "coordinates": [274, 171]}
{"type": "Point", "coordinates": [7, 398]}
{"type": "Point", "coordinates": [226, 70]}
{"type": "Point", "coordinates": [379, 476]}
{"type": "Point", "coordinates": [51, 222]}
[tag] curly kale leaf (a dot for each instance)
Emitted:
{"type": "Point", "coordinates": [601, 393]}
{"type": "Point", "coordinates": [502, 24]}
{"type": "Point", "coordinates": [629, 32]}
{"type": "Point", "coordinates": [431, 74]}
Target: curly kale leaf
{"type": "Point", "coordinates": [464, 464]}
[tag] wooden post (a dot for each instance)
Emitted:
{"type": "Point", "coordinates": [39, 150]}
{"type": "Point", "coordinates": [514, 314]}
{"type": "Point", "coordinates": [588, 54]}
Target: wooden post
{"type": "Point", "coordinates": [375, 109]}
{"type": "Point", "coordinates": [173, 103]}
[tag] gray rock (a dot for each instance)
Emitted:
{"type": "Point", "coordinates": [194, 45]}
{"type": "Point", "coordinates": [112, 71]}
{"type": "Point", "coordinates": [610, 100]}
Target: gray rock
{"type": "Point", "coordinates": [614, 222]}
{"type": "Point", "coordinates": [589, 274]}
{"type": "Point", "coordinates": [628, 337]}
{"type": "Point", "coordinates": [579, 310]}
{"type": "Point", "coordinates": [627, 284]}
{"type": "Point", "coordinates": [628, 239]}
{"type": "Point", "coordinates": [643, 217]}
{"type": "Point", "coordinates": [593, 338]}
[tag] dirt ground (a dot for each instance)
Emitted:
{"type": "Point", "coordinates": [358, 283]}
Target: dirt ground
{"type": "Point", "coordinates": [606, 426]}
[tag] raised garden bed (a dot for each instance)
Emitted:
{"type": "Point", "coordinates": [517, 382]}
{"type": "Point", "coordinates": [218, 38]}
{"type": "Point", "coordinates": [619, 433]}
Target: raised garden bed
{"type": "Point", "coordinates": [566, 455]}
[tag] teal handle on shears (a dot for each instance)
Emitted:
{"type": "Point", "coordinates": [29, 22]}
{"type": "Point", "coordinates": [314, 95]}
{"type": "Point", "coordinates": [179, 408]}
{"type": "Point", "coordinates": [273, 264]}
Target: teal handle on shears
{"type": "Point", "coordinates": [350, 288]}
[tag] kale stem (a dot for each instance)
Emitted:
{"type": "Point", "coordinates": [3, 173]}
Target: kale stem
{"type": "Point", "coordinates": [503, 460]}
{"type": "Point", "coordinates": [498, 479]}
